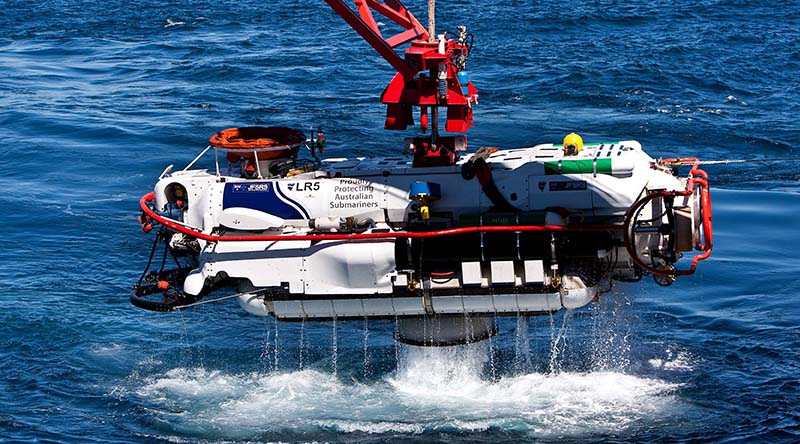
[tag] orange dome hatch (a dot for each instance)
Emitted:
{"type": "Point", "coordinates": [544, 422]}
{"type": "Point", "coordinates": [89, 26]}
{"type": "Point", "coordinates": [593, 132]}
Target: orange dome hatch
{"type": "Point", "coordinates": [274, 142]}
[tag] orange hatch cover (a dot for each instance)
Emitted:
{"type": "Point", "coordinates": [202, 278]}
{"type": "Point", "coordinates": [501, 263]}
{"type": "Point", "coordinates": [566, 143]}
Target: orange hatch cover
{"type": "Point", "coordinates": [268, 142]}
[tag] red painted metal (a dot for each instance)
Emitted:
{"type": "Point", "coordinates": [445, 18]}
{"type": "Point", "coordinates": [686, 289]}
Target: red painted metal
{"type": "Point", "coordinates": [143, 203]}
{"type": "Point", "coordinates": [364, 24]}
{"type": "Point", "coordinates": [417, 81]}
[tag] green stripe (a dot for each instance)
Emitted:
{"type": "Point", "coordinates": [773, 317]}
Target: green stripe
{"type": "Point", "coordinates": [585, 166]}
{"type": "Point", "coordinates": [588, 145]}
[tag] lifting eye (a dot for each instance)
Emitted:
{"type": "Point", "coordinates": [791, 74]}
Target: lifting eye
{"type": "Point", "coordinates": [176, 194]}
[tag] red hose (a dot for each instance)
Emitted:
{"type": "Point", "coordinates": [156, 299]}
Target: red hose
{"type": "Point", "coordinates": [705, 204]}
{"type": "Point", "coordinates": [442, 273]}
{"type": "Point", "coordinates": [363, 236]}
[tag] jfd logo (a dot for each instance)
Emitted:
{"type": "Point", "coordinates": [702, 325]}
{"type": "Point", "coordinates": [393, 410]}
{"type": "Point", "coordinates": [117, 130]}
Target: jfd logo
{"type": "Point", "coordinates": [262, 187]}
{"type": "Point", "coordinates": [249, 187]}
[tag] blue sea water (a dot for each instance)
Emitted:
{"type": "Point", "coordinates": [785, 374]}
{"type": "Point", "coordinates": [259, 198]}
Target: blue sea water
{"type": "Point", "coordinates": [96, 98]}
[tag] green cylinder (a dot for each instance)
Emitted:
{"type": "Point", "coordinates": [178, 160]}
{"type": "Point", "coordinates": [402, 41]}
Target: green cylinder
{"type": "Point", "coordinates": [583, 166]}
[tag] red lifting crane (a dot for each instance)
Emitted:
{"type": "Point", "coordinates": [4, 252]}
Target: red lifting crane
{"type": "Point", "coordinates": [432, 75]}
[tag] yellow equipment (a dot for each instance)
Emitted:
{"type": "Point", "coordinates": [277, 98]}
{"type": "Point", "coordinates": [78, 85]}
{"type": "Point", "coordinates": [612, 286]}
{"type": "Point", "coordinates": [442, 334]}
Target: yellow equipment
{"type": "Point", "coordinates": [573, 144]}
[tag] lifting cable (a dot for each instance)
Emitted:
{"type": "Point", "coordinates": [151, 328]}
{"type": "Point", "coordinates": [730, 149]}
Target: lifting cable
{"type": "Point", "coordinates": [208, 301]}
{"type": "Point", "coordinates": [431, 20]}
{"type": "Point", "coordinates": [731, 161]}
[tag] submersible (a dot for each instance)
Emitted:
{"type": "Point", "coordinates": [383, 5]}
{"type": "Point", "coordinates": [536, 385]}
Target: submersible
{"type": "Point", "coordinates": [441, 237]}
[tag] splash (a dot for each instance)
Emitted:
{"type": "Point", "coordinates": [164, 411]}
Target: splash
{"type": "Point", "coordinates": [676, 360]}
{"type": "Point", "coordinates": [485, 386]}
{"type": "Point", "coordinates": [433, 390]}
{"type": "Point", "coordinates": [434, 373]}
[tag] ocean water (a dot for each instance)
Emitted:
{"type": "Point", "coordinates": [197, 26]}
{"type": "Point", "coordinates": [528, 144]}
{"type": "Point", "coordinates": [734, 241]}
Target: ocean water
{"type": "Point", "coordinates": [96, 98]}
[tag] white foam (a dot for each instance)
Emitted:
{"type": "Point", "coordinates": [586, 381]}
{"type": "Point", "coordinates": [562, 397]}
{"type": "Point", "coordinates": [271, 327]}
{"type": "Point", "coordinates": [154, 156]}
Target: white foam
{"type": "Point", "coordinates": [433, 390]}
{"type": "Point", "coordinates": [735, 99]}
{"type": "Point", "coordinates": [193, 384]}
{"type": "Point", "coordinates": [107, 349]}
{"type": "Point", "coordinates": [170, 23]}
{"type": "Point", "coordinates": [680, 360]}
{"type": "Point", "coordinates": [379, 427]}
{"type": "Point", "coordinates": [710, 110]}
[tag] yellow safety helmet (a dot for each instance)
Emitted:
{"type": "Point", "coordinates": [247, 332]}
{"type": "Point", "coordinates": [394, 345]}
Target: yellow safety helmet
{"type": "Point", "coordinates": [573, 144]}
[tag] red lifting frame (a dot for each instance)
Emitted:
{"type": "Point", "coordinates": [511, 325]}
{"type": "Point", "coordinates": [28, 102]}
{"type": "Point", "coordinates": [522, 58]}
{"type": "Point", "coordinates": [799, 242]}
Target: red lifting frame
{"type": "Point", "coordinates": [410, 88]}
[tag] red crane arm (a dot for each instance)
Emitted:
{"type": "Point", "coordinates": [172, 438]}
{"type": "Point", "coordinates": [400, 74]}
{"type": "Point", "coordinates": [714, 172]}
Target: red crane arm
{"type": "Point", "coordinates": [365, 25]}
{"type": "Point", "coordinates": [430, 76]}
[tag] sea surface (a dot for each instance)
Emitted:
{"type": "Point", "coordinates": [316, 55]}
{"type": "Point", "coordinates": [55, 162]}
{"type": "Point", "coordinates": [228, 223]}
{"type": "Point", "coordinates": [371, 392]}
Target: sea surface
{"type": "Point", "coordinates": [96, 98]}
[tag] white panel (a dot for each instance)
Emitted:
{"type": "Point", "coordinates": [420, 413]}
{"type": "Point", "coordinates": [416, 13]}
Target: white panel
{"type": "Point", "coordinates": [333, 267]}
{"type": "Point", "coordinates": [401, 280]}
{"type": "Point", "coordinates": [471, 273]}
{"type": "Point", "coordinates": [348, 307]}
{"type": "Point", "coordinates": [539, 302]}
{"type": "Point", "coordinates": [266, 264]}
{"type": "Point", "coordinates": [534, 272]}
{"type": "Point", "coordinates": [569, 191]}
{"type": "Point", "coordinates": [289, 309]}
{"type": "Point", "coordinates": [378, 307]}
{"type": "Point", "coordinates": [554, 301]}
{"type": "Point", "coordinates": [506, 303]}
{"type": "Point", "coordinates": [408, 306]}
{"type": "Point", "coordinates": [481, 304]}
{"type": "Point", "coordinates": [447, 304]}
{"type": "Point", "coordinates": [248, 219]}
{"type": "Point", "coordinates": [319, 308]}
{"type": "Point", "coordinates": [617, 193]}
{"type": "Point", "coordinates": [502, 272]}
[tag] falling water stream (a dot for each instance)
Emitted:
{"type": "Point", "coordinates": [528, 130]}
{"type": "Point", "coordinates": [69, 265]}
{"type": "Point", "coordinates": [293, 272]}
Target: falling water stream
{"type": "Point", "coordinates": [522, 347]}
{"type": "Point", "coordinates": [264, 356]}
{"type": "Point", "coordinates": [277, 347]}
{"type": "Point", "coordinates": [302, 346]}
{"type": "Point", "coordinates": [366, 349]}
{"type": "Point", "coordinates": [335, 349]}
{"type": "Point", "coordinates": [558, 340]}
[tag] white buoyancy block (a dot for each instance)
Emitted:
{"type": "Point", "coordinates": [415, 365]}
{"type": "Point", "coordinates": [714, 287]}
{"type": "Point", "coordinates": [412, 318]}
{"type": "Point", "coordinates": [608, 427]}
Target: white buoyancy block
{"type": "Point", "coordinates": [622, 166]}
{"type": "Point", "coordinates": [194, 283]}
